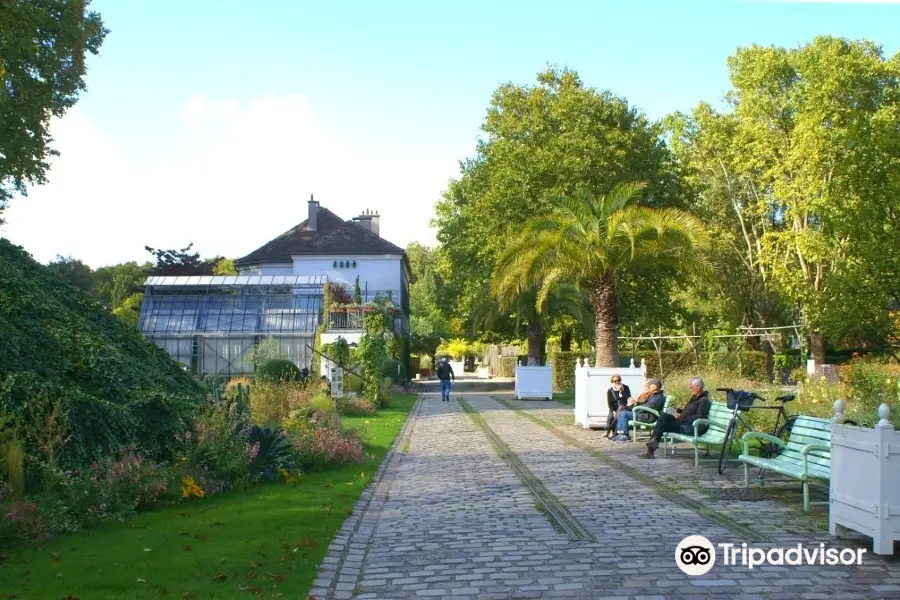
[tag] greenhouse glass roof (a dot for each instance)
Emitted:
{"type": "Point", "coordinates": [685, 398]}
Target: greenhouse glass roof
{"type": "Point", "coordinates": [236, 280]}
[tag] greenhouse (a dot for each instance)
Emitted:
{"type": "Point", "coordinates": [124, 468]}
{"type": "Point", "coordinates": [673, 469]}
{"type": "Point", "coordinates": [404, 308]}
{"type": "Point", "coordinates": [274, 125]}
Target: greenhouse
{"type": "Point", "coordinates": [212, 324]}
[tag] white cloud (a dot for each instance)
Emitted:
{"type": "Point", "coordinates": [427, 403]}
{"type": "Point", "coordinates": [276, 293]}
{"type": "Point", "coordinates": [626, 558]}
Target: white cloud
{"type": "Point", "coordinates": [232, 179]}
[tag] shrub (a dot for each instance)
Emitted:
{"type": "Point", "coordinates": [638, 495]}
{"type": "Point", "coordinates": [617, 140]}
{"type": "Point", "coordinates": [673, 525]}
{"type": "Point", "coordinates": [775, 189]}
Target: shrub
{"type": "Point", "coordinates": [350, 405]}
{"type": "Point", "coordinates": [564, 370]}
{"type": "Point", "coordinates": [60, 343]}
{"type": "Point", "coordinates": [277, 371]}
{"type": "Point", "coordinates": [273, 452]}
{"type": "Point", "coordinates": [22, 520]}
{"type": "Point", "coordinates": [322, 447]}
{"type": "Point", "coordinates": [219, 448]}
{"type": "Point", "coordinates": [271, 403]}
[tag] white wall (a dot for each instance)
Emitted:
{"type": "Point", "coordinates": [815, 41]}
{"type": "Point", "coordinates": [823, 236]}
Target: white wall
{"type": "Point", "coordinates": [381, 273]}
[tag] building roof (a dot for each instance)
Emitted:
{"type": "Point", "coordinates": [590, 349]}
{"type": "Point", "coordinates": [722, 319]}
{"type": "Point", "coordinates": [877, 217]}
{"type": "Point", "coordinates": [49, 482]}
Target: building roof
{"type": "Point", "coordinates": [332, 236]}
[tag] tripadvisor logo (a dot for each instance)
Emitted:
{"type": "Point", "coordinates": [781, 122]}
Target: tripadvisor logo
{"type": "Point", "coordinates": [695, 555]}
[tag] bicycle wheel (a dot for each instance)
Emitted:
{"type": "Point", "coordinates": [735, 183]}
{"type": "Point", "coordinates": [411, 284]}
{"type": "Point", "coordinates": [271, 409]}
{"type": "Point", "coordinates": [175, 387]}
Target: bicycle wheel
{"type": "Point", "coordinates": [727, 444]}
{"type": "Point", "coordinates": [782, 433]}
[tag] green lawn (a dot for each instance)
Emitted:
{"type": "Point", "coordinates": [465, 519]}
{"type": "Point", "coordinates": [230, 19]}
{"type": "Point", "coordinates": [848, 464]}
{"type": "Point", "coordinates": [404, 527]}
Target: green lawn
{"type": "Point", "coordinates": [265, 542]}
{"type": "Point", "coordinates": [565, 397]}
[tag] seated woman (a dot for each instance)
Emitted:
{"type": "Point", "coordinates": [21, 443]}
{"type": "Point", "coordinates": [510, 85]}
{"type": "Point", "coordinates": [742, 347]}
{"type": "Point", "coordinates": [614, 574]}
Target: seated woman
{"type": "Point", "coordinates": [652, 398]}
{"type": "Point", "coordinates": [683, 421]}
{"type": "Point", "coordinates": [617, 398]}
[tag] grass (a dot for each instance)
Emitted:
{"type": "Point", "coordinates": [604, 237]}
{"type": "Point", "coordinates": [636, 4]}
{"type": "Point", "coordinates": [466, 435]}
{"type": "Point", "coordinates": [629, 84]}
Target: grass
{"type": "Point", "coordinates": [266, 542]}
{"type": "Point", "coordinates": [567, 397]}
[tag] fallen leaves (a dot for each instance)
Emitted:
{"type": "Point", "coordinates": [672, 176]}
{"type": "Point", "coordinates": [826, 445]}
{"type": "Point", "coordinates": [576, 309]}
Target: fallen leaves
{"type": "Point", "coordinates": [139, 580]}
{"type": "Point", "coordinates": [186, 548]}
{"type": "Point", "coordinates": [148, 549]}
{"type": "Point", "coordinates": [220, 577]}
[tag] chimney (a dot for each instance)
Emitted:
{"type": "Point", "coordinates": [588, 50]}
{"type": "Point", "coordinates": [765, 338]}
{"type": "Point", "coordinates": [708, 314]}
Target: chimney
{"type": "Point", "coordinates": [312, 221]}
{"type": "Point", "coordinates": [370, 220]}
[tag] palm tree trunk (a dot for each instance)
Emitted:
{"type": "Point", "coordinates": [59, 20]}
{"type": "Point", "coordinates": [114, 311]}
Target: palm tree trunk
{"type": "Point", "coordinates": [565, 340]}
{"type": "Point", "coordinates": [535, 335]}
{"type": "Point", "coordinates": [603, 300]}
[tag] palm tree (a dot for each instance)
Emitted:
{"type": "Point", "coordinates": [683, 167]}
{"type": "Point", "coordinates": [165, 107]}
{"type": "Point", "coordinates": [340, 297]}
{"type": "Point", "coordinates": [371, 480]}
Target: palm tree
{"type": "Point", "coordinates": [522, 305]}
{"type": "Point", "coordinates": [590, 241]}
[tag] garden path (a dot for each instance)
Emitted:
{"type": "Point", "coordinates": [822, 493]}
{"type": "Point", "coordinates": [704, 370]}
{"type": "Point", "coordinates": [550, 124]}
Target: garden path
{"type": "Point", "coordinates": [452, 515]}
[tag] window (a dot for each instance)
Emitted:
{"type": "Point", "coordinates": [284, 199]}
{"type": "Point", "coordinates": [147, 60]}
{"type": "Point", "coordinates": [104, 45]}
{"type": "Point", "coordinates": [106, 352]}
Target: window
{"type": "Point", "coordinates": [354, 264]}
{"type": "Point", "coordinates": [335, 264]}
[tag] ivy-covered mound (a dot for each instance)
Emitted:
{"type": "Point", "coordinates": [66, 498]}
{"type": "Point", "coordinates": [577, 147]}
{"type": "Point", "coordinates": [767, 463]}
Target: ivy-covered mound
{"type": "Point", "coordinates": [58, 345]}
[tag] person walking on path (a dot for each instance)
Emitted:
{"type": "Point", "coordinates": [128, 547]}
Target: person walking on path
{"type": "Point", "coordinates": [445, 374]}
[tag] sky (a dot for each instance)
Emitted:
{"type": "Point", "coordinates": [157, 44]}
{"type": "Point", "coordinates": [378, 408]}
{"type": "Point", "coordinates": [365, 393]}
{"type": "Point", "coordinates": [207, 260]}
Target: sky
{"type": "Point", "coordinates": [213, 121]}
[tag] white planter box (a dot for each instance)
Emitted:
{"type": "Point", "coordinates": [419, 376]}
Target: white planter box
{"type": "Point", "coordinates": [458, 367]}
{"type": "Point", "coordinates": [591, 385]}
{"type": "Point", "coordinates": [534, 382]}
{"type": "Point", "coordinates": [483, 373]}
{"type": "Point", "coordinates": [865, 480]}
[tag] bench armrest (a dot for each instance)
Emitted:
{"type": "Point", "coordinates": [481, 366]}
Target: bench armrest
{"type": "Point", "coordinates": [642, 408]}
{"type": "Point", "coordinates": [745, 446]}
{"type": "Point", "coordinates": [810, 448]}
{"type": "Point", "coordinates": [700, 422]}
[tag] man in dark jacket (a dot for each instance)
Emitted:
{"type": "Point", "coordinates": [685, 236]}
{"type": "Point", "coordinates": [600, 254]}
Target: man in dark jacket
{"type": "Point", "coordinates": [683, 421]}
{"type": "Point", "coordinates": [445, 374]}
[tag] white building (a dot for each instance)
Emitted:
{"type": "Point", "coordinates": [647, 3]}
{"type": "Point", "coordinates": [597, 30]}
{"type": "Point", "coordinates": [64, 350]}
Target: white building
{"type": "Point", "coordinates": [212, 323]}
{"type": "Point", "coordinates": [344, 252]}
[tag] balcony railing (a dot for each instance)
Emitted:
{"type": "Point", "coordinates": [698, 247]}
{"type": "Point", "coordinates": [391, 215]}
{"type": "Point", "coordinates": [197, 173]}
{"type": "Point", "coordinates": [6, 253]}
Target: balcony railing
{"type": "Point", "coordinates": [349, 319]}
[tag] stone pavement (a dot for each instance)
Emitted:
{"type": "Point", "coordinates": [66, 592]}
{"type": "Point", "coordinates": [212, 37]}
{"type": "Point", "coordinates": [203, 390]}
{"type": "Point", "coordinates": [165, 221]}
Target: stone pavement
{"type": "Point", "coordinates": [448, 517]}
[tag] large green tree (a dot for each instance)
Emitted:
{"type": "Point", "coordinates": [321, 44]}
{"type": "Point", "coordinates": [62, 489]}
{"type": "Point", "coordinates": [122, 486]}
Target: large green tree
{"type": "Point", "coordinates": [591, 241]}
{"type": "Point", "coordinates": [428, 324]}
{"type": "Point", "coordinates": [799, 181]}
{"type": "Point", "coordinates": [557, 137]}
{"type": "Point", "coordinates": [43, 44]}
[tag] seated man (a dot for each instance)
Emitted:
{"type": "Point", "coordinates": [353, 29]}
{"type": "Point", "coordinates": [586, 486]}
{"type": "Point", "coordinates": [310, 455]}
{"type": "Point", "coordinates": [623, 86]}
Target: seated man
{"type": "Point", "coordinates": [652, 398]}
{"type": "Point", "coordinates": [683, 421]}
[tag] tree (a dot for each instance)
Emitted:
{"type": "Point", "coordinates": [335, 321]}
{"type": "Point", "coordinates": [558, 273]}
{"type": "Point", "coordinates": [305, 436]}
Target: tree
{"type": "Point", "coordinates": [591, 241]}
{"type": "Point", "coordinates": [428, 323]}
{"type": "Point", "coordinates": [42, 67]}
{"type": "Point", "coordinates": [528, 310]}
{"type": "Point", "coordinates": [357, 292]}
{"type": "Point", "coordinates": [225, 267]}
{"type": "Point", "coordinates": [803, 176]}
{"type": "Point", "coordinates": [115, 283]}
{"type": "Point", "coordinates": [555, 138]}
{"type": "Point", "coordinates": [181, 262]}
{"type": "Point", "coordinates": [73, 271]}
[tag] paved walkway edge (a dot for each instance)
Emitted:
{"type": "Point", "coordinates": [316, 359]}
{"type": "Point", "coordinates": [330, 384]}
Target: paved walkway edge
{"type": "Point", "coordinates": [339, 572]}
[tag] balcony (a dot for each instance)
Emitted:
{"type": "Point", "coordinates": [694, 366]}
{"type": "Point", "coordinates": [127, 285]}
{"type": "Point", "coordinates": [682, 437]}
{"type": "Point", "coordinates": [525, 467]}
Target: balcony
{"type": "Point", "coordinates": [353, 319]}
{"type": "Point", "coordinates": [346, 320]}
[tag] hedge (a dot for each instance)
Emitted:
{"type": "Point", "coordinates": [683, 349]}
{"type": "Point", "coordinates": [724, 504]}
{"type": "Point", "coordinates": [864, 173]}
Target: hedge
{"type": "Point", "coordinates": [564, 369]}
{"type": "Point", "coordinates": [59, 344]}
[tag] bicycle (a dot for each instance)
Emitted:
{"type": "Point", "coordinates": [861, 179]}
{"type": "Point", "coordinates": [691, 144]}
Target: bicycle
{"type": "Point", "coordinates": [742, 401]}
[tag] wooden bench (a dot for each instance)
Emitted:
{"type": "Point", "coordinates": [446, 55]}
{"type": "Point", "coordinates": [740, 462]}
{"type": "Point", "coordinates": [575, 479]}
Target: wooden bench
{"type": "Point", "coordinates": [634, 424]}
{"type": "Point", "coordinates": [716, 423]}
{"type": "Point", "coordinates": [806, 454]}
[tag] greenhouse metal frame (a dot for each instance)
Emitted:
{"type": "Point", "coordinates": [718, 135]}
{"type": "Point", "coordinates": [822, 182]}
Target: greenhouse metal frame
{"type": "Point", "coordinates": [211, 324]}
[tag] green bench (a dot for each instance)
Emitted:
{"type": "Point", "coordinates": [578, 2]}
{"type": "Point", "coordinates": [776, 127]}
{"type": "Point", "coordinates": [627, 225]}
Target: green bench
{"type": "Point", "coordinates": [806, 455]}
{"type": "Point", "coordinates": [634, 425]}
{"type": "Point", "coordinates": [716, 424]}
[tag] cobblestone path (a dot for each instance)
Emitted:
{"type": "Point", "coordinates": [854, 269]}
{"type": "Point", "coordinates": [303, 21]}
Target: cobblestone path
{"type": "Point", "coordinates": [448, 517]}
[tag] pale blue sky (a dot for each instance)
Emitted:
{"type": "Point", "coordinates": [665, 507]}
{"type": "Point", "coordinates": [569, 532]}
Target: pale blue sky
{"type": "Point", "coordinates": [206, 120]}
